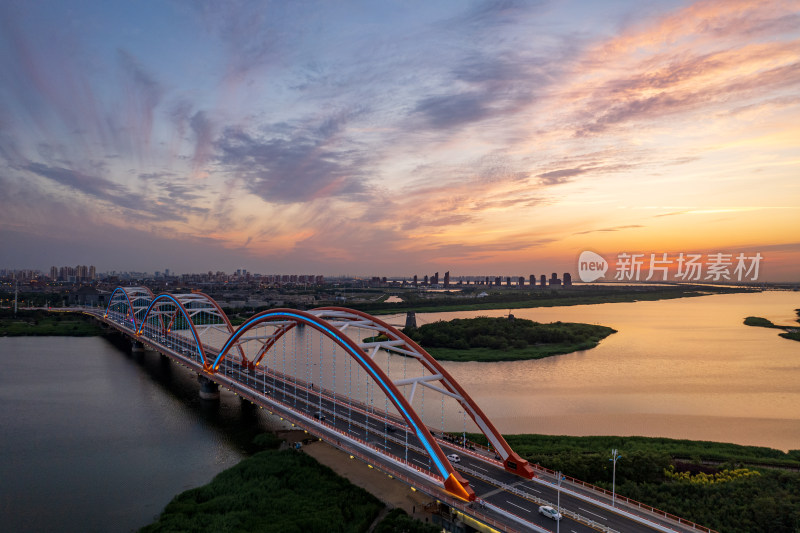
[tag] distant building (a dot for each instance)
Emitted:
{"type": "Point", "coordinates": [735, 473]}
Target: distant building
{"type": "Point", "coordinates": [447, 279]}
{"type": "Point", "coordinates": [543, 281]}
{"type": "Point", "coordinates": [554, 281]}
{"type": "Point", "coordinates": [415, 280]}
{"type": "Point", "coordinates": [532, 280]}
{"type": "Point", "coordinates": [88, 296]}
{"type": "Point", "coordinates": [498, 281]}
{"type": "Point", "coordinates": [567, 279]}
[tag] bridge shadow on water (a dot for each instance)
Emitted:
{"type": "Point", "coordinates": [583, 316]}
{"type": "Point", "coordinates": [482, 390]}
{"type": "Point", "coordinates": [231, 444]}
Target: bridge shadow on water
{"type": "Point", "coordinates": [235, 421]}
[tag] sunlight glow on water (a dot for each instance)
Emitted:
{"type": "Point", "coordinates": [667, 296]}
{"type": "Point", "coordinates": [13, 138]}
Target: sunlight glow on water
{"type": "Point", "coordinates": [684, 368]}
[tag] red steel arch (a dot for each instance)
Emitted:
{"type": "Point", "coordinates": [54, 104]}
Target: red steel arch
{"type": "Point", "coordinates": [401, 343]}
{"type": "Point", "coordinates": [453, 481]}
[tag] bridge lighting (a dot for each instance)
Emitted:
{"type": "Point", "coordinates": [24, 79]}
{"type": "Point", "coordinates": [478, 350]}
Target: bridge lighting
{"type": "Point", "coordinates": [351, 457]}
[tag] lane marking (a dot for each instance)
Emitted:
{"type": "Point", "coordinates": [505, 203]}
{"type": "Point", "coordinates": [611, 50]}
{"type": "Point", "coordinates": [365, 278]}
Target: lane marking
{"type": "Point", "coordinates": [478, 467]}
{"type": "Point", "coordinates": [518, 506]}
{"type": "Point", "coordinates": [595, 514]}
{"type": "Point", "coordinates": [420, 462]}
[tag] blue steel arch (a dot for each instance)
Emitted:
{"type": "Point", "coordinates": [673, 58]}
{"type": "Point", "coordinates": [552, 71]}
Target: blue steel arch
{"type": "Point", "coordinates": [165, 296]}
{"type": "Point", "coordinates": [128, 298]}
{"type": "Point", "coordinates": [453, 481]}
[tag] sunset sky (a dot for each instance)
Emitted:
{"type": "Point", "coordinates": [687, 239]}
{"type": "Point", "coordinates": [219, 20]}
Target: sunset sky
{"type": "Point", "coordinates": [397, 138]}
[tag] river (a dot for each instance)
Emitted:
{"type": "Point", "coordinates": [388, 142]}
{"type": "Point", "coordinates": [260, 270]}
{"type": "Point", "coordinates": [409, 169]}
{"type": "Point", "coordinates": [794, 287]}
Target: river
{"type": "Point", "coordinates": [96, 439]}
{"type": "Point", "coordinates": [684, 368]}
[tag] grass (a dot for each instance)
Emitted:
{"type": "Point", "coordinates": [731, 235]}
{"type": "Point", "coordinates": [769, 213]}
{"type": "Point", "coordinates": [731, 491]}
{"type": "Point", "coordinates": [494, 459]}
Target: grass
{"type": "Point", "coordinates": [42, 323]}
{"type": "Point", "coordinates": [282, 491]}
{"type": "Point", "coordinates": [488, 339]}
{"type": "Point", "coordinates": [272, 491]}
{"type": "Point", "coordinates": [790, 332]}
{"type": "Point", "coordinates": [576, 295]}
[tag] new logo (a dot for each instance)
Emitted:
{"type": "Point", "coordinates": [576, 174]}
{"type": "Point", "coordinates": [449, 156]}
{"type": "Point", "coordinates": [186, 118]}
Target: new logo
{"type": "Point", "coordinates": [591, 266]}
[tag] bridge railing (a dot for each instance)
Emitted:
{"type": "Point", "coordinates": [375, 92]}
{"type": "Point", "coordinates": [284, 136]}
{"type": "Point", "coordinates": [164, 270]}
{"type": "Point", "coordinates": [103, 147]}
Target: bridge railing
{"type": "Point", "coordinates": [628, 501]}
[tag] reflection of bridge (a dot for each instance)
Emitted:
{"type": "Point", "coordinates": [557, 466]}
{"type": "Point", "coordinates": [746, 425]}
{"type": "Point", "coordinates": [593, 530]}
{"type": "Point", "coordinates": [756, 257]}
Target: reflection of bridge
{"type": "Point", "coordinates": [363, 386]}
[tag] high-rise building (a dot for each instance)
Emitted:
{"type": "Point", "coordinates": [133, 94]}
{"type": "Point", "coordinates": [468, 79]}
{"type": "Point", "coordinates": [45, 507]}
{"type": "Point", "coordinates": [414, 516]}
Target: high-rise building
{"type": "Point", "coordinates": [447, 279]}
{"type": "Point", "coordinates": [53, 273]}
{"type": "Point", "coordinates": [521, 281]}
{"type": "Point", "coordinates": [543, 281]}
{"type": "Point", "coordinates": [567, 279]}
{"type": "Point", "coordinates": [532, 280]}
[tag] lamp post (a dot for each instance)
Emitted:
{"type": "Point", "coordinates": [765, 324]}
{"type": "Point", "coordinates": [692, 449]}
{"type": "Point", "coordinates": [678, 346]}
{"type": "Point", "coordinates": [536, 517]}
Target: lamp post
{"type": "Point", "coordinates": [614, 457]}
{"type": "Point", "coordinates": [558, 501]}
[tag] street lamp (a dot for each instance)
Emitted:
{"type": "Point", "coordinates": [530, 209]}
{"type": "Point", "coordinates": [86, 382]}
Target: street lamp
{"type": "Point", "coordinates": [558, 502]}
{"type": "Point", "coordinates": [614, 457]}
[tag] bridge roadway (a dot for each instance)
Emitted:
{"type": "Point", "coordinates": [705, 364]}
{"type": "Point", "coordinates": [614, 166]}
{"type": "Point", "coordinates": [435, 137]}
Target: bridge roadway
{"type": "Point", "coordinates": [505, 501]}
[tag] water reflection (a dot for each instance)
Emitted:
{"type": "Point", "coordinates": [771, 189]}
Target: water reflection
{"type": "Point", "coordinates": [98, 439]}
{"type": "Point", "coordinates": [685, 368]}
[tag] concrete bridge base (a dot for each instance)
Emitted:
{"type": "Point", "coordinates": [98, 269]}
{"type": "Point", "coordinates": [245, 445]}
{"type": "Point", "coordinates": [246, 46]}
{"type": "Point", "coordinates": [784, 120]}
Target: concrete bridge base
{"type": "Point", "coordinates": [208, 389]}
{"type": "Point", "coordinates": [137, 347]}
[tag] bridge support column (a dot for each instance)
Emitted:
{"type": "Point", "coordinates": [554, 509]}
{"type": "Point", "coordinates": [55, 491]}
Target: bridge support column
{"type": "Point", "coordinates": [137, 347]}
{"type": "Point", "coordinates": [208, 389]}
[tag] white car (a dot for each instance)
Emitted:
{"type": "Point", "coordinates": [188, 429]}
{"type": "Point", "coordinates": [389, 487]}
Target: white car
{"type": "Point", "coordinates": [454, 458]}
{"type": "Point", "coordinates": [549, 512]}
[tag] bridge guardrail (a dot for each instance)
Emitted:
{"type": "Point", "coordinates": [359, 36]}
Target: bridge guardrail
{"type": "Point", "coordinates": [629, 501]}
{"type": "Point", "coordinates": [540, 501]}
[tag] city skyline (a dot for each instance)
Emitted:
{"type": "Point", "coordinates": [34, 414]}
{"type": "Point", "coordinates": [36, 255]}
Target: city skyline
{"type": "Point", "coordinates": [401, 139]}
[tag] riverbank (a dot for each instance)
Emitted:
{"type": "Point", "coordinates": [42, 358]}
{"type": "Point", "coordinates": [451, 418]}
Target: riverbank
{"type": "Point", "coordinates": [289, 490]}
{"type": "Point", "coordinates": [36, 323]}
{"type": "Point", "coordinates": [489, 339]}
{"type": "Point", "coordinates": [789, 332]}
{"type": "Point", "coordinates": [480, 299]}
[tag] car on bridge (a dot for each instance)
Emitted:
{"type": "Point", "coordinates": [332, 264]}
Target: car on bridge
{"type": "Point", "coordinates": [549, 512]}
{"type": "Point", "coordinates": [454, 458]}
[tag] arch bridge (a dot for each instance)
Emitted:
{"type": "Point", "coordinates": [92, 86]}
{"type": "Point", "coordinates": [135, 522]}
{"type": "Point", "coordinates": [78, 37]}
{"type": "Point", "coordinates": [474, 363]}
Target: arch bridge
{"type": "Point", "coordinates": [352, 377]}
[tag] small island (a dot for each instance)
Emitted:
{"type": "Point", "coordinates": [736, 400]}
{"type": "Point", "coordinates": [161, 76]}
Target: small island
{"type": "Point", "coordinates": [789, 332]}
{"type": "Point", "coordinates": [504, 339]}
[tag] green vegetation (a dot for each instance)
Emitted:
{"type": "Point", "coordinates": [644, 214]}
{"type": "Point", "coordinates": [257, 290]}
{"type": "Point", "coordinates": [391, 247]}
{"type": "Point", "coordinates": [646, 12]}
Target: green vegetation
{"type": "Point", "coordinates": [790, 332]}
{"type": "Point", "coordinates": [398, 521]}
{"type": "Point", "coordinates": [42, 323]}
{"type": "Point", "coordinates": [504, 339]}
{"type": "Point", "coordinates": [279, 491]}
{"type": "Point", "coordinates": [727, 487]}
{"type": "Point", "coordinates": [467, 300]}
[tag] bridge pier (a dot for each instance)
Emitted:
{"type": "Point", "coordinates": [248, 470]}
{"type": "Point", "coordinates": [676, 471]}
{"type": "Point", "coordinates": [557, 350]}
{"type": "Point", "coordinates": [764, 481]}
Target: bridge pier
{"type": "Point", "coordinates": [137, 347]}
{"type": "Point", "coordinates": [209, 390]}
